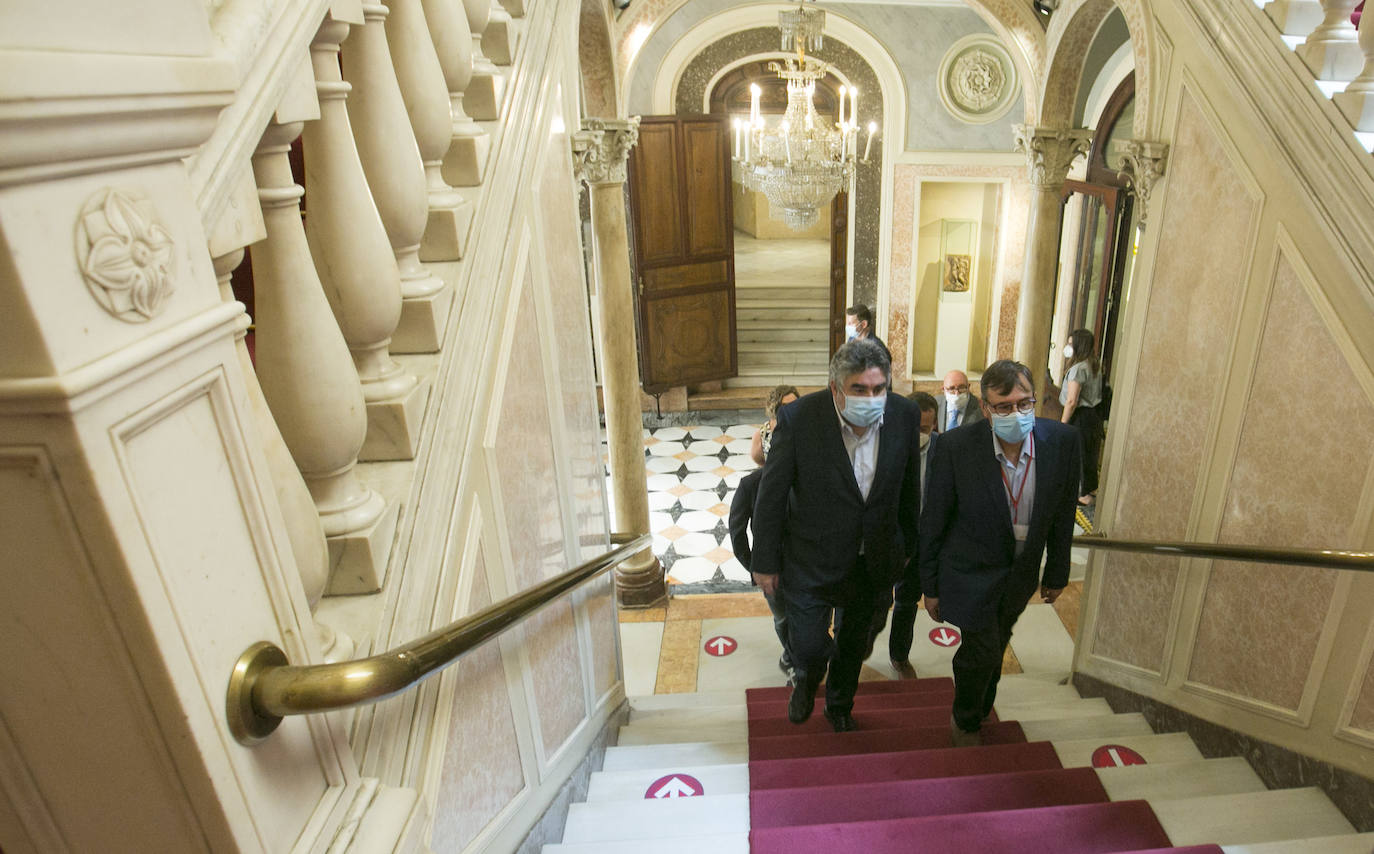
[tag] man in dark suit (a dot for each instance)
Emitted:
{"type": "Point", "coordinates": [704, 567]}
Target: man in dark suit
{"type": "Point", "coordinates": [1001, 496]}
{"type": "Point", "coordinates": [741, 512]}
{"type": "Point", "coordinates": [956, 406]}
{"type": "Point", "coordinates": [835, 520]}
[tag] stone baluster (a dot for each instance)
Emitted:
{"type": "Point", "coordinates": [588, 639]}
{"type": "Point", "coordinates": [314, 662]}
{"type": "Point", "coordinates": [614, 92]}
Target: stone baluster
{"type": "Point", "coordinates": [425, 95]}
{"type": "Point", "coordinates": [1294, 17]}
{"type": "Point", "coordinates": [1332, 51]}
{"type": "Point", "coordinates": [396, 176]}
{"type": "Point", "coordinates": [308, 378]}
{"type": "Point", "coordinates": [516, 8]}
{"type": "Point", "coordinates": [601, 149]}
{"type": "Point", "coordinates": [353, 257]}
{"type": "Point", "coordinates": [1142, 161]}
{"type": "Point", "coordinates": [470, 146]}
{"type": "Point", "coordinates": [499, 40]}
{"type": "Point", "coordinates": [1050, 152]}
{"type": "Point", "coordinates": [484, 92]}
{"type": "Point", "coordinates": [1357, 101]}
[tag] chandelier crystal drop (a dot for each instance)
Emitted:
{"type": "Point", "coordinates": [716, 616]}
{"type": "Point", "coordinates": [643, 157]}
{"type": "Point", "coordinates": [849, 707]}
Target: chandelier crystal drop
{"type": "Point", "coordinates": [800, 161]}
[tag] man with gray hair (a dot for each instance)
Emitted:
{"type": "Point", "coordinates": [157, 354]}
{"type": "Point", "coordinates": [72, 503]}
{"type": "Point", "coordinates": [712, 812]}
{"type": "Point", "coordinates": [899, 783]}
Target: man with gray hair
{"type": "Point", "coordinates": [835, 520]}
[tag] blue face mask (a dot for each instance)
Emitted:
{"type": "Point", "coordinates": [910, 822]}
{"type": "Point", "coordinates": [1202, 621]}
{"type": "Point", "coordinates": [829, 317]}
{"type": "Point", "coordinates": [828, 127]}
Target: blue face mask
{"type": "Point", "coordinates": [1013, 428]}
{"type": "Point", "coordinates": [864, 411]}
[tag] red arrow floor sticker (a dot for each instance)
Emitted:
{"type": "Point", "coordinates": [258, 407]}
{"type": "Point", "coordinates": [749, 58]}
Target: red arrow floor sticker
{"type": "Point", "coordinates": [675, 786]}
{"type": "Point", "coordinates": [944, 636]}
{"type": "Point", "coordinates": [721, 645]}
{"type": "Point", "coordinates": [1115, 756]}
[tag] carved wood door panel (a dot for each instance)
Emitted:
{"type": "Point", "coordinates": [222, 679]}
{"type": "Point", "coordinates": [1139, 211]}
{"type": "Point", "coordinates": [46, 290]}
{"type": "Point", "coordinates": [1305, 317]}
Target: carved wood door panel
{"type": "Point", "coordinates": [683, 223]}
{"type": "Point", "coordinates": [839, 267]}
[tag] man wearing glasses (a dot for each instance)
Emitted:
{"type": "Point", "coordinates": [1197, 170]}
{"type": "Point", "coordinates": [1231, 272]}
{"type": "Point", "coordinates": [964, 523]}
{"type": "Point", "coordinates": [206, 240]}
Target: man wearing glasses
{"type": "Point", "coordinates": [956, 406]}
{"type": "Point", "coordinates": [1001, 495]}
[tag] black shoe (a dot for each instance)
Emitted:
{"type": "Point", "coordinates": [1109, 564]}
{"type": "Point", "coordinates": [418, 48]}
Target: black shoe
{"type": "Point", "coordinates": [802, 701]}
{"type": "Point", "coordinates": [904, 669]}
{"type": "Point", "coordinates": [841, 721]}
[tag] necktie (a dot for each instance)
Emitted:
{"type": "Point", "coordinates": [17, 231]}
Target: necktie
{"type": "Point", "coordinates": [953, 418]}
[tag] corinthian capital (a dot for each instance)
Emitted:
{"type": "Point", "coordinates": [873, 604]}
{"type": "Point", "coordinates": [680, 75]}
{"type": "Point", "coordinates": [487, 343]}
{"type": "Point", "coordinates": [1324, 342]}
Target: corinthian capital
{"type": "Point", "coordinates": [601, 148]}
{"type": "Point", "coordinates": [1142, 162]}
{"type": "Point", "coordinates": [1050, 151]}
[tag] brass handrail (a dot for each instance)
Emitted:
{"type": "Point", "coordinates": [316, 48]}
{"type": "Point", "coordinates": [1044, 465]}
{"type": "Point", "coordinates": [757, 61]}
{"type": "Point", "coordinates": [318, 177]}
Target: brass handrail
{"type": "Point", "coordinates": [264, 687]}
{"type": "Point", "coordinates": [1326, 558]}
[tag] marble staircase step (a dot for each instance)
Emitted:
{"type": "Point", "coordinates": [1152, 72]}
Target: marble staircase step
{"type": "Point", "coordinates": [1172, 780]}
{"type": "Point", "coordinates": [704, 815]}
{"type": "Point", "coordinates": [1020, 689]}
{"type": "Point", "coordinates": [637, 734]}
{"type": "Point", "coordinates": [719, 843]}
{"type": "Point", "coordinates": [1268, 816]}
{"type": "Point", "coordinates": [1096, 726]}
{"type": "Point", "coordinates": [1353, 843]}
{"type": "Point", "coordinates": [1155, 749]}
{"type": "Point", "coordinates": [637, 756]}
{"type": "Point", "coordinates": [635, 784]}
{"type": "Point", "coordinates": [694, 717]}
{"type": "Point", "coordinates": [655, 702]}
{"type": "Point", "coordinates": [1053, 709]}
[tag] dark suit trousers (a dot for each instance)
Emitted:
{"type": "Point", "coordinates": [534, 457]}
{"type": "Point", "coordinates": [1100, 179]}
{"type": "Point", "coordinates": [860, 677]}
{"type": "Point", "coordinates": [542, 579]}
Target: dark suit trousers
{"type": "Point", "coordinates": [808, 633]}
{"type": "Point", "coordinates": [904, 599]}
{"type": "Point", "coordinates": [978, 664]}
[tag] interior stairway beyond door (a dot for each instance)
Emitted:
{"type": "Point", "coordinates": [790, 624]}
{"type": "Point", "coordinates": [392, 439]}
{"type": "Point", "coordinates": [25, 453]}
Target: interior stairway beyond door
{"type": "Point", "coordinates": [782, 311]}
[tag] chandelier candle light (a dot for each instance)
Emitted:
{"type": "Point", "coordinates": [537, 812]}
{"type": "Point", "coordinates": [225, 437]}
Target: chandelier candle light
{"type": "Point", "coordinates": [802, 162]}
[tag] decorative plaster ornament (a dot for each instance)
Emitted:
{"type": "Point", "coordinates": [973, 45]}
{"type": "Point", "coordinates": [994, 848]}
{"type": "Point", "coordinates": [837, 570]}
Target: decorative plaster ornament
{"type": "Point", "coordinates": [977, 80]}
{"type": "Point", "coordinates": [125, 255]}
{"type": "Point", "coordinates": [602, 147]}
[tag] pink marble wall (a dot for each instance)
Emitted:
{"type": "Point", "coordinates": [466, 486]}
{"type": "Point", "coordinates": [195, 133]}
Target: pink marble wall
{"type": "Point", "coordinates": [1285, 493]}
{"type": "Point", "coordinates": [602, 618]}
{"type": "Point", "coordinates": [556, 209]}
{"type": "Point", "coordinates": [1016, 203]}
{"type": "Point", "coordinates": [525, 456]}
{"type": "Point", "coordinates": [595, 60]}
{"type": "Point", "coordinates": [556, 665]}
{"type": "Point", "coordinates": [481, 770]}
{"type": "Point", "coordinates": [1207, 221]}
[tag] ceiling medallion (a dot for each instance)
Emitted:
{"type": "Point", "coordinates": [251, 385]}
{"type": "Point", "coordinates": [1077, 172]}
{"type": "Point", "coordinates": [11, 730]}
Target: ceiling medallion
{"type": "Point", "coordinates": [977, 80]}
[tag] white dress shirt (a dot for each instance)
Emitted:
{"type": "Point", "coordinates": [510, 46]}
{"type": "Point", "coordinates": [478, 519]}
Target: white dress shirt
{"type": "Point", "coordinates": [863, 452]}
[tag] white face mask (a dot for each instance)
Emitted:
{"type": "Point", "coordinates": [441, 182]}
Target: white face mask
{"type": "Point", "coordinates": [957, 400]}
{"type": "Point", "coordinates": [924, 440]}
{"type": "Point", "coordinates": [1068, 351]}
{"type": "Point", "coordinates": [850, 332]}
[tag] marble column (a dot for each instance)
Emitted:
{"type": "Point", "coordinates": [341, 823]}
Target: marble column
{"type": "Point", "coordinates": [309, 381]}
{"type": "Point", "coordinates": [1050, 152]}
{"type": "Point", "coordinates": [1332, 50]}
{"type": "Point", "coordinates": [469, 145]}
{"type": "Point", "coordinates": [499, 41]}
{"type": "Point", "coordinates": [425, 94]}
{"type": "Point", "coordinates": [485, 91]}
{"type": "Point", "coordinates": [1142, 161]}
{"type": "Point", "coordinates": [396, 176]}
{"type": "Point", "coordinates": [601, 149]}
{"type": "Point", "coordinates": [354, 260]}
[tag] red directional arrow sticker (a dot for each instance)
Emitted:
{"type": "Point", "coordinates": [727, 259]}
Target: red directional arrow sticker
{"type": "Point", "coordinates": [674, 786]}
{"type": "Point", "coordinates": [721, 645]}
{"type": "Point", "coordinates": [944, 636]}
{"type": "Point", "coordinates": [1115, 756]}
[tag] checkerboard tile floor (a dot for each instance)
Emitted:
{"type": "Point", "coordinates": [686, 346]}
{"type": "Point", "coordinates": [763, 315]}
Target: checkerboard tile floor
{"type": "Point", "coordinates": [692, 474]}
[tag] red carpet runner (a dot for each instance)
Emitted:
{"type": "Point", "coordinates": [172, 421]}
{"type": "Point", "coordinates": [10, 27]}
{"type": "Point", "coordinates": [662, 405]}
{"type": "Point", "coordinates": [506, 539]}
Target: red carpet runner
{"type": "Point", "coordinates": [896, 785]}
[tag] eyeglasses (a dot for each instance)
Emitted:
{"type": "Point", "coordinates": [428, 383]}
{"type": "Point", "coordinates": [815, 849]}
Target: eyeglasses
{"type": "Point", "coordinates": [1022, 406]}
{"type": "Point", "coordinates": [957, 389]}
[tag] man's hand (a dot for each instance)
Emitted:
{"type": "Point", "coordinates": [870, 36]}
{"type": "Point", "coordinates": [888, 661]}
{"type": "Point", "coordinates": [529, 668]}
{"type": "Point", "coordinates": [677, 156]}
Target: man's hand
{"type": "Point", "coordinates": [1049, 594]}
{"type": "Point", "coordinates": [933, 608]}
{"type": "Point", "coordinates": [767, 582]}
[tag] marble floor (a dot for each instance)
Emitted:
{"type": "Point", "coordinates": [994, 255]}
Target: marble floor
{"type": "Point", "coordinates": [679, 649]}
{"type": "Point", "coordinates": [797, 263]}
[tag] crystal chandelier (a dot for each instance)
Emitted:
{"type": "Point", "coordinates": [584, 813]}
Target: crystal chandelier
{"type": "Point", "coordinates": [800, 162]}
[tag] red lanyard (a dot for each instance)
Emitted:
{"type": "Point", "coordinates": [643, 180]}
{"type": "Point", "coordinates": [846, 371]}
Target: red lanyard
{"type": "Point", "coordinates": [1016, 499]}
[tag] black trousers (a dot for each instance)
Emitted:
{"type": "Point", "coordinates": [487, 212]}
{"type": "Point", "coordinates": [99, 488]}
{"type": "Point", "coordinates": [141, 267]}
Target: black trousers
{"type": "Point", "coordinates": [808, 633]}
{"type": "Point", "coordinates": [904, 599]}
{"type": "Point", "coordinates": [978, 663]}
{"type": "Point", "coordinates": [1091, 433]}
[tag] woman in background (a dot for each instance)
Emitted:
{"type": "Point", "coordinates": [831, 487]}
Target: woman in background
{"type": "Point", "coordinates": [778, 397]}
{"type": "Point", "coordinates": [1080, 394]}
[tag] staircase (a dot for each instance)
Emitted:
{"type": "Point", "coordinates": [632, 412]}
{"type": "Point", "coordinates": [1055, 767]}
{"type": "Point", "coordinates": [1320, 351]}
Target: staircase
{"type": "Point", "coordinates": [782, 311]}
{"type": "Point", "coordinates": [725, 772]}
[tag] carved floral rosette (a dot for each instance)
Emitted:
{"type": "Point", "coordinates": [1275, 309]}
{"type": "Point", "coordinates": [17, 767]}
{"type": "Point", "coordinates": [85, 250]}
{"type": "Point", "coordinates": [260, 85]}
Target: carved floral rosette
{"type": "Point", "coordinates": [126, 256]}
{"type": "Point", "coordinates": [602, 148]}
{"type": "Point", "coordinates": [977, 80]}
{"type": "Point", "coordinates": [1051, 151]}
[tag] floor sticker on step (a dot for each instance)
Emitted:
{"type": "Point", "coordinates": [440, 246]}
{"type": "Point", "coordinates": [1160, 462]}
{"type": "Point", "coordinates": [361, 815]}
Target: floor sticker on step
{"type": "Point", "coordinates": [1116, 756]}
{"type": "Point", "coordinates": [944, 636]}
{"type": "Point", "coordinates": [721, 645]}
{"type": "Point", "coordinates": [674, 786]}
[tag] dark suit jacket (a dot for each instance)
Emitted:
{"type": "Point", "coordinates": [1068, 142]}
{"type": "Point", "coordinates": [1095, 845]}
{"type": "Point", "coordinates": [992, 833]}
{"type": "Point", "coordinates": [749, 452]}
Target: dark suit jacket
{"type": "Point", "coordinates": [973, 412]}
{"type": "Point", "coordinates": [810, 518]}
{"type": "Point", "coordinates": [741, 511]}
{"type": "Point", "coordinates": [967, 550]}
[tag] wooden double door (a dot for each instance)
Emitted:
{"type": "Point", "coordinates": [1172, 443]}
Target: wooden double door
{"type": "Point", "coordinates": [682, 239]}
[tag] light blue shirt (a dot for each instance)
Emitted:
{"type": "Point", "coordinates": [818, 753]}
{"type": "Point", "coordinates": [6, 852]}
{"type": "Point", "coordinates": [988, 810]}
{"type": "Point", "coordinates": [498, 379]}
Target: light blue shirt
{"type": "Point", "coordinates": [1018, 478]}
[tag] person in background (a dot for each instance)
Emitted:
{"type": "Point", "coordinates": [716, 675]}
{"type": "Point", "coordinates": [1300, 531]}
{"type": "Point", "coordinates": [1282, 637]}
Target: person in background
{"type": "Point", "coordinates": [858, 323]}
{"type": "Point", "coordinates": [835, 520]}
{"type": "Point", "coordinates": [956, 406]}
{"type": "Point", "coordinates": [905, 596]}
{"type": "Point", "coordinates": [742, 511]}
{"type": "Point", "coordinates": [780, 396]}
{"type": "Point", "coordinates": [1001, 497]}
{"type": "Point", "coordinates": [1080, 395]}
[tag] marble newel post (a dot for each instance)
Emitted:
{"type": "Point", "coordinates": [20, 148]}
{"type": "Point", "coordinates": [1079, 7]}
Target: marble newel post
{"type": "Point", "coordinates": [354, 258]}
{"type": "Point", "coordinates": [308, 378]}
{"type": "Point", "coordinates": [601, 150]}
{"type": "Point", "coordinates": [484, 92]}
{"type": "Point", "coordinates": [470, 146]}
{"type": "Point", "coordinates": [1143, 162]}
{"type": "Point", "coordinates": [425, 94]}
{"type": "Point", "coordinates": [1050, 152]}
{"type": "Point", "coordinates": [396, 177]}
